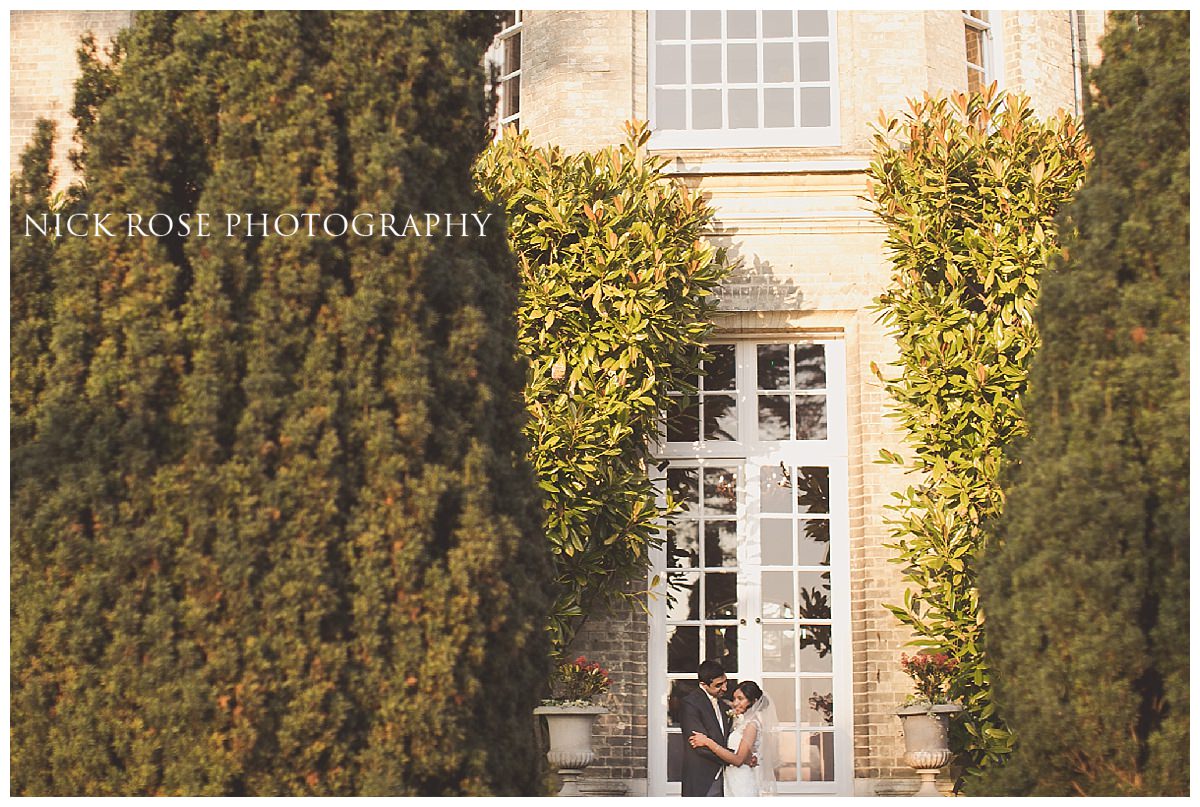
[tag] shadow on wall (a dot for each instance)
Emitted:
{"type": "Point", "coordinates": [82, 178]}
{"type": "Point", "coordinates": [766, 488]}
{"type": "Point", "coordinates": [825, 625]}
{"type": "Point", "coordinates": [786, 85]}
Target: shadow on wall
{"type": "Point", "coordinates": [754, 284]}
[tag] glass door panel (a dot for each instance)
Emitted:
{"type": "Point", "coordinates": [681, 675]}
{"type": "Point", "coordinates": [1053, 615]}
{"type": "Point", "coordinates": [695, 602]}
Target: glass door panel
{"type": "Point", "coordinates": [754, 569]}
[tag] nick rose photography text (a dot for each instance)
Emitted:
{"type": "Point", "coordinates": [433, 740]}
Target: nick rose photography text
{"type": "Point", "coordinates": [252, 225]}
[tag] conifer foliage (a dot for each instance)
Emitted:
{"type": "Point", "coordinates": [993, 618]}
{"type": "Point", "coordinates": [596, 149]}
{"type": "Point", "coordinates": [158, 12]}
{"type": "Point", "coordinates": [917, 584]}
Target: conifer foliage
{"type": "Point", "coordinates": [1085, 584]}
{"type": "Point", "coordinates": [273, 532]}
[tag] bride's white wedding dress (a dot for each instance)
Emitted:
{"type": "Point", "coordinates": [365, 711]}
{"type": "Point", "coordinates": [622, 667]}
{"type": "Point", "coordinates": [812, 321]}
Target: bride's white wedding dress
{"type": "Point", "coordinates": [744, 780]}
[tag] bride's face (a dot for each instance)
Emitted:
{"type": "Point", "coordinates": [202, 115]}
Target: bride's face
{"type": "Point", "coordinates": [740, 703]}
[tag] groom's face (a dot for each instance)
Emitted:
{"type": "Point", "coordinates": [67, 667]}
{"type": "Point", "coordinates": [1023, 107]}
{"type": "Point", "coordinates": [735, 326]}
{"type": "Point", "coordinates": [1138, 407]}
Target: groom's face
{"type": "Point", "coordinates": [717, 688]}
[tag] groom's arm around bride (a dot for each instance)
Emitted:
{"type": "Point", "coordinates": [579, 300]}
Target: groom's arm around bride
{"type": "Point", "coordinates": [697, 713]}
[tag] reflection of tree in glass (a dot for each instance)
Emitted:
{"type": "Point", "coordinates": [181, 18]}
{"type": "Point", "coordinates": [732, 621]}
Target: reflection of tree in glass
{"type": "Point", "coordinates": [823, 704]}
{"type": "Point", "coordinates": [722, 646]}
{"type": "Point", "coordinates": [814, 604]}
{"type": "Point", "coordinates": [683, 649]}
{"type": "Point", "coordinates": [720, 491]}
{"type": "Point", "coordinates": [817, 637]}
{"type": "Point", "coordinates": [677, 584]}
{"type": "Point", "coordinates": [812, 496]}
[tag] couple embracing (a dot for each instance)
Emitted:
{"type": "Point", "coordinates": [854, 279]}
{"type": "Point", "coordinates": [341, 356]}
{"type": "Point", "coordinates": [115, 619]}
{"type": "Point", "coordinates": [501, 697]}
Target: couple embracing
{"type": "Point", "coordinates": [730, 749]}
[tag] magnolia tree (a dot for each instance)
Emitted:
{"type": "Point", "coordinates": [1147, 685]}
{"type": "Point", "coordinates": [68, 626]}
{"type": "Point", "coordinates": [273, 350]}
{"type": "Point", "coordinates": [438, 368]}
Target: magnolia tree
{"type": "Point", "coordinates": [968, 188]}
{"type": "Point", "coordinates": [616, 299]}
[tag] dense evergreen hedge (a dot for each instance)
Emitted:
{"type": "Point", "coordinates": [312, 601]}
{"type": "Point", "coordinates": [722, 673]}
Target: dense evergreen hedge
{"type": "Point", "coordinates": [273, 529]}
{"type": "Point", "coordinates": [1086, 582]}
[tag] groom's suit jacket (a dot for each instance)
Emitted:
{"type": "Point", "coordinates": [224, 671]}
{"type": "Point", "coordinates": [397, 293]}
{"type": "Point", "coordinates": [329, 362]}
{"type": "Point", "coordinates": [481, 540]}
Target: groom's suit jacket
{"type": "Point", "coordinates": [700, 765]}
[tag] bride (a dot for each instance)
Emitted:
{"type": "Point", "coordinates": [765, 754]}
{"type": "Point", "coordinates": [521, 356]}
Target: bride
{"type": "Point", "coordinates": [752, 735]}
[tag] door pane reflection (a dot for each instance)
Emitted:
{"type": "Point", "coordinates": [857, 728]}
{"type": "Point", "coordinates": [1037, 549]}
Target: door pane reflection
{"type": "Point", "coordinates": [777, 602]}
{"type": "Point", "coordinates": [776, 535]}
{"type": "Point", "coordinates": [720, 544]}
{"type": "Point", "coordinates": [811, 420]}
{"type": "Point", "coordinates": [774, 417]}
{"type": "Point", "coordinates": [683, 648]}
{"type": "Point", "coordinates": [720, 596]}
{"type": "Point", "coordinates": [683, 422]}
{"type": "Point", "coordinates": [785, 768]}
{"type": "Point", "coordinates": [773, 367]}
{"type": "Point", "coordinates": [816, 756]}
{"type": "Point", "coordinates": [774, 490]}
{"type": "Point", "coordinates": [814, 542]}
{"type": "Point", "coordinates": [814, 595]}
{"type": "Point", "coordinates": [683, 546]}
{"type": "Point", "coordinates": [683, 596]}
{"type": "Point", "coordinates": [678, 689]}
{"type": "Point", "coordinates": [812, 488]}
{"type": "Point", "coordinates": [810, 366]}
{"type": "Point", "coordinates": [816, 698]}
{"type": "Point", "coordinates": [684, 487]}
{"type": "Point", "coordinates": [720, 417]}
{"type": "Point", "coordinates": [720, 491]}
{"type": "Point", "coordinates": [782, 692]}
{"type": "Point", "coordinates": [720, 643]}
{"type": "Point", "coordinates": [816, 647]}
{"type": "Point", "coordinates": [720, 370]}
{"type": "Point", "coordinates": [675, 757]}
{"type": "Point", "coordinates": [778, 648]}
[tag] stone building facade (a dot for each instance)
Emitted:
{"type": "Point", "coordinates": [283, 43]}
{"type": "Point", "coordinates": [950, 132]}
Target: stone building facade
{"type": "Point", "coordinates": [790, 205]}
{"type": "Point", "coordinates": [769, 115]}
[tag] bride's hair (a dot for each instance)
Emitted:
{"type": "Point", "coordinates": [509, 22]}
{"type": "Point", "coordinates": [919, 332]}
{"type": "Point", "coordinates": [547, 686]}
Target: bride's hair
{"type": "Point", "coordinates": [751, 690]}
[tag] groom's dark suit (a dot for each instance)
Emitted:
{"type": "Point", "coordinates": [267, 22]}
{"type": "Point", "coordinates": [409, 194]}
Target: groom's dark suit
{"type": "Point", "coordinates": [700, 765]}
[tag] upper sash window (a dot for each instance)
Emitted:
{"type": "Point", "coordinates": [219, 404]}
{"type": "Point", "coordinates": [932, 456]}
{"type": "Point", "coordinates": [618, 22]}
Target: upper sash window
{"type": "Point", "coordinates": [743, 78]}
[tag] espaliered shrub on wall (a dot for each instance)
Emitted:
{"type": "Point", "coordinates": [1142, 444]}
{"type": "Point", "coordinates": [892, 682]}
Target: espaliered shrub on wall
{"type": "Point", "coordinates": [616, 300]}
{"type": "Point", "coordinates": [273, 532]}
{"type": "Point", "coordinates": [1086, 579]}
{"type": "Point", "coordinates": [968, 188]}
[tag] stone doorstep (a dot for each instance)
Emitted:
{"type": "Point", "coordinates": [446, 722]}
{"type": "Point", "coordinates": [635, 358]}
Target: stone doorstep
{"type": "Point", "coordinates": [603, 787]}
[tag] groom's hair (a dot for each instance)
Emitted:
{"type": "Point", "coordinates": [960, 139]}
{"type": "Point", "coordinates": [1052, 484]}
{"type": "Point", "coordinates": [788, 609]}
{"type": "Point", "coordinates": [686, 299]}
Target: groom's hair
{"type": "Point", "coordinates": [709, 671]}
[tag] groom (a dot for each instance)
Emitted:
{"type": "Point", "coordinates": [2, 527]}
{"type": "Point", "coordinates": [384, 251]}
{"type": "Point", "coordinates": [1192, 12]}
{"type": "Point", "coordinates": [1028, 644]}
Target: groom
{"type": "Point", "coordinates": [704, 711]}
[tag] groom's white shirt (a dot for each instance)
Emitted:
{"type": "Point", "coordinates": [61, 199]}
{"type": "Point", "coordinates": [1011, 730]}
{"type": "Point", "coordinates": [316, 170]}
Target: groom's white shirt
{"type": "Point", "coordinates": [716, 705]}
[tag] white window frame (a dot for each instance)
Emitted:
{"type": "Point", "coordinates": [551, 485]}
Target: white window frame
{"type": "Point", "coordinates": [811, 136]}
{"type": "Point", "coordinates": [984, 26]}
{"type": "Point", "coordinates": [751, 457]}
{"type": "Point", "coordinates": [496, 56]}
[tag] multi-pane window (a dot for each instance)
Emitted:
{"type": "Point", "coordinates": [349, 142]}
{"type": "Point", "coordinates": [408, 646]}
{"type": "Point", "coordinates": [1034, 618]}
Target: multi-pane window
{"type": "Point", "coordinates": [754, 568]}
{"type": "Point", "coordinates": [505, 55]}
{"type": "Point", "coordinates": [791, 396]}
{"type": "Point", "coordinates": [743, 77]}
{"type": "Point", "coordinates": [978, 33]}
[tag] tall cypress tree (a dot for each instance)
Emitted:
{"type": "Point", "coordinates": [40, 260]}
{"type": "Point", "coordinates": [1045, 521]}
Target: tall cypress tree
{"type": "Point", "coordinates": [273, 530]}
{"type": "Point", "coordinates": [1085, 586]}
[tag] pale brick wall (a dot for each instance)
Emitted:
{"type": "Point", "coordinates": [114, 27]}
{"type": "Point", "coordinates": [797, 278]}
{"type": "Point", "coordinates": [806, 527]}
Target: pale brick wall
{"type": "Point", "coordinates": [1037, 58]}
{"type": "Point", "coordinates": [576, 69]}
{"type": "Point", "coordinates": [42, 73]}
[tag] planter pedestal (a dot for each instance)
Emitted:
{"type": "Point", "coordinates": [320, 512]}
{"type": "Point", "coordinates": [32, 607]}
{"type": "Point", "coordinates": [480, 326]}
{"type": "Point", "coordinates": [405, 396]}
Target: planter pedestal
{"type": "Point", "coordinates": [570, 741]}
{"type": "Point", "coordinates": [926, 741]}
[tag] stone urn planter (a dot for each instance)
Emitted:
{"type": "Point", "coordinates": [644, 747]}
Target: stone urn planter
{"type": "Point", "coordinates": [570, 741]}
{"type": "Point", "coordinates": [926, 741]}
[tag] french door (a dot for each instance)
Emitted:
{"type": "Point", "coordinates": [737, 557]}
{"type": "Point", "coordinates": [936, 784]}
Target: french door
{"type": "Point", "coordinates": [754, 571]}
